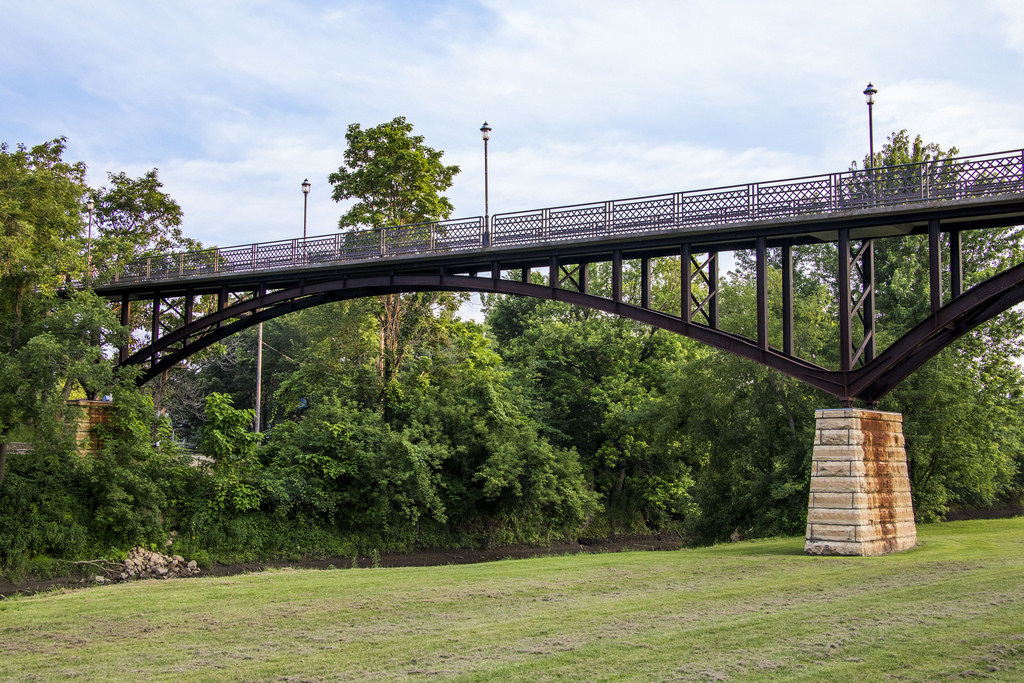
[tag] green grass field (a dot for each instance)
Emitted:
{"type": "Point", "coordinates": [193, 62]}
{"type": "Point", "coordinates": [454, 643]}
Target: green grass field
{"type": "Point", "coordinates": [951, 608]}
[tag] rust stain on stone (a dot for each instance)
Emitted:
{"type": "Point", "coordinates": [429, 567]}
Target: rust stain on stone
{"type": "Point", "coordinates": [878, 440]}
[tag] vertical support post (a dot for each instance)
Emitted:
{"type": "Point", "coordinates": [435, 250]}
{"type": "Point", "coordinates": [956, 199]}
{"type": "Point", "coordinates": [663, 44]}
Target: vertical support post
{"type": "Point", "coordinates": [685, 284]}
{"type": "Point", "coordinates": [259, 376]}
{"type": "Point", "coordinates": [189, 297]}
{"type": "Point", "coordinates": [495, 270]}
{"type": "Point", "coordinates": [956, 264]}
{"type": "Point", "coordinates": [222, 299]}
{"type": "Point", "coordinates": [868, 311]}
{"type": "Point", "coordinates": [761, 266]}
{"type": "Point", "coordinates": [553, 280]}
{"type": "Point", "coordinates": [526, 274]}
{"type": "Point", "coordinates": [584, 278]}
{"type": "Point", "coordinates": [155, 328]}
{"type": "Point", "coordinates": [189, 303]}
{"type": "Point", "coordinates": [935, 263]}
{"type": "Point", "coordinates": [616, 275]}
{"type": "Point", "coordinates": [845, 331]}
{"type": "Point", "coordinates": [713, 289]}
{"type": "Point", "coordinates": [645, 283]}
{"type": "Point", "coordinates": [788, 344]}
{"type": "Point", "coordinates": [126, 318]}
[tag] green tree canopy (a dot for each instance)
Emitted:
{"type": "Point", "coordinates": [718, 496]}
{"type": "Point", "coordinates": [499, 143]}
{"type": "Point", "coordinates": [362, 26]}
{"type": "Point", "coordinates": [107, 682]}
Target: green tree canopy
{"type": "Point", "coordinates": [394, 178]}
{"type": "Point", "coordinates": [135, 217]}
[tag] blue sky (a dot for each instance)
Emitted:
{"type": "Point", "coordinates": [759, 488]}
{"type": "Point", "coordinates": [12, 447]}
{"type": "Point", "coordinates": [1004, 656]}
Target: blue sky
{"type": "Point", "coordinates": [236, 102]}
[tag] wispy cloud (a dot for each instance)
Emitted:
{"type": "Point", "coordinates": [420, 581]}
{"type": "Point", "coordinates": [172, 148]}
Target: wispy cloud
{"type": "Point", "coordinates": [237, 102]}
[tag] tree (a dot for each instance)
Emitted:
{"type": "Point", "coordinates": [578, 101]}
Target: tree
{"type": "Point", "coordinates": [52, 336]}
{"type": "Point", "coordinates": [40, 248]}
{"type": "Point", "coordinates": [396, 180]}
{"type": "Point", "coordinates": [134, 217]}
{"type": "Point", "coordinates": [40, 229]}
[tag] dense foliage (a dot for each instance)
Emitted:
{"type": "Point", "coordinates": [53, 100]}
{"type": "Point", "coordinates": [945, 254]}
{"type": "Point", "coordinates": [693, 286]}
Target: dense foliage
{"type": "Point", "coordinates": [393, 424]}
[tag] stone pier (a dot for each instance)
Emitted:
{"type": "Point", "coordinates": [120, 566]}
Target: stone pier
{"type": "Point", "coordinates": [90, 414]}
{"type": "Point", "coordinates": [860, 488]}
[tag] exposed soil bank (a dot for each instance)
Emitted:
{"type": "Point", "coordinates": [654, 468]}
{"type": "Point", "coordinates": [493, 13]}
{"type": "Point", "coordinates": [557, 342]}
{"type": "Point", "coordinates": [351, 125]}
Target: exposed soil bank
{"type": "Point", "coordinates": [421, 558]}
{"type": "Point", "coordinates": [433, 558]}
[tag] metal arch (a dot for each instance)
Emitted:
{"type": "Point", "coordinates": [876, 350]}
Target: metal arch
{"type": "Point", "coordinates": [211, 328]}
{"type": "Point", "coordinates": [869, 383]}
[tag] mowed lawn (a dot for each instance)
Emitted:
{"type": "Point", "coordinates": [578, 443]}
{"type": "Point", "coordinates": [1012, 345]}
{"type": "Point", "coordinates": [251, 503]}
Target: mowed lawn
{"type": "Point", "coordinates": [951, 608]}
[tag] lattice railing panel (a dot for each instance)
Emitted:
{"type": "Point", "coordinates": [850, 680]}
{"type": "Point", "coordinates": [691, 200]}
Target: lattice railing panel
{"type": "Point", "coordinates": [644, 215]}
{"type": "Point", "coordinates": [459, 235]}
{"type": "Point", "coordinates": [794, 199]}
{"type": "Point", "coordinates": [575, 222]}
{"type": "Point", "coordinates": [714, 208]}
{"type": "Point", "coordinates": [524, 227]}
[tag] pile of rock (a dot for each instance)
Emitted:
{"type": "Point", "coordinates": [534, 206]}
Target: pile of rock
{"type": "Point", "coordinates": [147, 564]}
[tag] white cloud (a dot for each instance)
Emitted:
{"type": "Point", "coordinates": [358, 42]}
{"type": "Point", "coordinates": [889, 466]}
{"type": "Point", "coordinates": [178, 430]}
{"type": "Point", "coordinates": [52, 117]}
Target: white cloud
{"type": "Point", "coordinates": [237, 102]}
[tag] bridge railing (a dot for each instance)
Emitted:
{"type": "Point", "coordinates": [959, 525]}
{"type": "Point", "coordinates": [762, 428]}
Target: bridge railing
{"type": "Point", "coordinates": [943, 179]}
{"type": "Point", "coordinates": [442, 236]}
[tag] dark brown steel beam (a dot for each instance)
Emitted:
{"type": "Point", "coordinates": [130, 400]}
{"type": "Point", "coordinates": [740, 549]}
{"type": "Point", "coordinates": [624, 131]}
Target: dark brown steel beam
{"type": "Point", "coordinates": [155, 329]}
{"type": "Point", "coordinates": [868, 309]}
{"type": "Point", "coordinates": [845, 330]}
{"type": "Point", "coordinates": [685, 283]}
{"type": "Point", "coordinates": [935, 263]}
{"type": "Point", "coordinates": [616, 275]}
{"type": "Point", "coordinates": [645, 283]}
{"type": "Point", "coordinates": [956, 264]}
{"type": "Point", "coordinates": [761, 284]}
{"type": "Point", "coordinates": [126, 319]}
{"type": "Point", "coordinates": [713, 289]}
{"type": "Point", "coordinates": [788, 344]}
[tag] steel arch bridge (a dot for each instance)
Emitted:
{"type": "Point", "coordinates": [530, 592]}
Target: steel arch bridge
{"type": "Point", "coordinates": [941, 199]}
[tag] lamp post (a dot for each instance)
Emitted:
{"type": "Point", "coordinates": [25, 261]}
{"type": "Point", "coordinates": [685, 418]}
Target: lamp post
{"type": "Point", "coordinates": [305, 204]}
{"type": "Point", "coordinates": [90, 205]}
{"type": "Point", "coordinates": [869, 95]}
{"type": "Point", "coordinates": [485, 130]}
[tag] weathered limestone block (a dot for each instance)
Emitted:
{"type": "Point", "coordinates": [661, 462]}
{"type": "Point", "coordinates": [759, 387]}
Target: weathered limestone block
{"type": "Point", "coordinates": [860, 500]}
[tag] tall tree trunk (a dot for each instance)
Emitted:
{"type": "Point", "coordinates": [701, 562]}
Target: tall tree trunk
{"type": "Point", "coordinates": [19, 298]}
{"type": "Point", "coordinates": [390, 347]}
{"type": "Point", "coordinates": [3, 459]}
